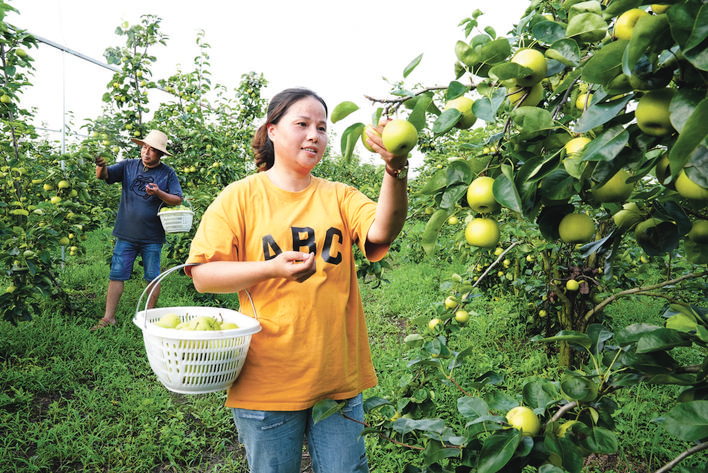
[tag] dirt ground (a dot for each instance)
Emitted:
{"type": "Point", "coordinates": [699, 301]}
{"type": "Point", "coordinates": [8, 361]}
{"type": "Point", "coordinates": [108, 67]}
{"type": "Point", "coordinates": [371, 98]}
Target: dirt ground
{"type": "Point", "coordinates": [614, 463]}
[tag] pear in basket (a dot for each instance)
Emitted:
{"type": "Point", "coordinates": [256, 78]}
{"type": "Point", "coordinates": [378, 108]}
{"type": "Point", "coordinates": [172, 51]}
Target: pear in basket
{"type": "Point", "coordinates": [203, 322]}
{"type": "Point", "coordinates": [170, 320]}
{"type": "Point", "coordinates": [228, 326]}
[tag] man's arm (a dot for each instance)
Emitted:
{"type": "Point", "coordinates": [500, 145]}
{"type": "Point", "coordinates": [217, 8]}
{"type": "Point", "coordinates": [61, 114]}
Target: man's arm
{"type": "Point", "coordinates": [101, 171]}
{"type": "Point", "coordinates": [169, 199]}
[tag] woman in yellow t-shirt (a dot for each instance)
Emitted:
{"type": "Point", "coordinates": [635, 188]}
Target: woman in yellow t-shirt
{"type": "Point", "coordinates": [287, 238]}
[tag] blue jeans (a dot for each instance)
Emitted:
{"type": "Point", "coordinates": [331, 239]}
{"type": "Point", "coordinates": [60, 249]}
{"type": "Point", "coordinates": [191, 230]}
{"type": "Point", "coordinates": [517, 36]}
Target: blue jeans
{"type": "Point", "coordinates": [274, 439]}
{"type": "Point", "coordinates": [124, 254]}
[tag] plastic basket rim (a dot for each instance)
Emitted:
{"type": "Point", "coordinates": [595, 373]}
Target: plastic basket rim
{"type": "Point", "coordinates": [167, 213]}
{"type": "Point", "coordinates": [172, 334]}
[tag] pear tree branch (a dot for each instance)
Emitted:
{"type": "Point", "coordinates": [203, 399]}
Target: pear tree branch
{"type": "Point", "coordinates": [393, 104]}
{"type": "Point", "coordinates": [641, 290]}
{"type": "Point", "coordinates": [695, 449]}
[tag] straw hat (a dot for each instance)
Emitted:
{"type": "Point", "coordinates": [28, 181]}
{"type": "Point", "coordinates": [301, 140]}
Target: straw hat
{"type": "Point", "coordinates": [155, 139]}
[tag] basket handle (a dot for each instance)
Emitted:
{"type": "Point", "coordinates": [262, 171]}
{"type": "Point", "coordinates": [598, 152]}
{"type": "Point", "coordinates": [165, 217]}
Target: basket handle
{"type": "Point", "coordinates": [162, 276]}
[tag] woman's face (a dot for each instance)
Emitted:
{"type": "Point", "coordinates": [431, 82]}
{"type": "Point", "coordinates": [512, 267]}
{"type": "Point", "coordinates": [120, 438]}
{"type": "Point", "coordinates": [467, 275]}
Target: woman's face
{"type": "Point", "coordinates": [300, 137]}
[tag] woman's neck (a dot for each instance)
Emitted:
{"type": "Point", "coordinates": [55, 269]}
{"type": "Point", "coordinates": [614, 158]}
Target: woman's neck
{"type": "Point", "coordinates": [288, 180]}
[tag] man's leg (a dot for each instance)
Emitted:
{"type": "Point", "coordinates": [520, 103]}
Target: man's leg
{"type": "Point", "coordinates": [115, 290]}
{"type": "Point", "coordinates": [124, 254]}
{"type": "Point", "coordinates": [154, 294]}
{"type": "Point", "coordinates": [151, 254]}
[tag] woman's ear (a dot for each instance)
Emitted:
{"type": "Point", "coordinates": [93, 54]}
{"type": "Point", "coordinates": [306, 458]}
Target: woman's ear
{"type": "Point", "coordinates": [270, 128]}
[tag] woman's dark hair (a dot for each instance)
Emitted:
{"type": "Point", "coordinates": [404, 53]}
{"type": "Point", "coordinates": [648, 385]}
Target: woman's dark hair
{"type": "Point", "coordinates": [279, 105]}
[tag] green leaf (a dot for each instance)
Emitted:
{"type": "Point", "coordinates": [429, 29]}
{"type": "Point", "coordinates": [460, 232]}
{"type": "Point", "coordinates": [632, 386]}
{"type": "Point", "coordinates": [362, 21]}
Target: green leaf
{"type": "Point", "coordinates": [412, 65]}
{"type": "Point", "coordinates": [505, 192]}
{"type": "Point", "coordinates": [632, 333]}
{"type": "Point", "coordinates": [455, 89]}
{"type": "Point", "coordinates": [606, 63]}
{"type": "Point", "coordinates": [617, 7]}
{"type": "Point", "coordinates": [600, 113]}
{"type": "Point", "coordinates": [326, 408]}
{"type": "Point", "coordinates": [548, 31]}
{"type": "Point", "coordinates": [497, 450]}
{"type": "Point", "coordinates": [602, 441]}
{"type": "Point", "coordinates": [538, 394]}
{"type": "Point", "coordinates": [696, 253]}
{"type": "Point", "coordinates": [349, 139]}
{"type": "Point", "coordinates": [452, 196]}
{"type": "Point", "coordinates": [459, 172]}
{"type": "Point", "coordinates": [694, 131]}
{"type": "Point", "coordinates": [577, 8]}
{"type": "Point", "coordinates": [435, 184]}
{"type": "Point", "coordinates": [473, 408]}
{"type": "Point", "coordinates": [403, 425]}
{"type": "Point", "coordinates": [688, 421]}
{"type": "Point", "coordinates": [494, 51]}
{"type": "Point", "coordinates": [414, 340]}
{"type": "Point", "coordinates": [683, 105]}
{"type": "Point", "coordinates": [660, 239]}
{"type": "Point", "coordinates": [485, 108]}
{"type": "Point", "coordinates": [435, 452]}
{"type": "Point", "coordinates": [558, 185]}
{"type": "Point", "coordinates": [537, 167]}
{"type": "Point", "coordinates": [574, 167]}
{"type": "Point", "coordinates": [650, 34]}
{"type": "Point", "coordinates": [575, 338]}
{"type": "Point", "coordinates": [565, 51]}
{"type": "Point", "coordinates": [446, 121]}
{"type": "Point", "coordinates": [578, 388]}
{"type": "Point", "coordinates": [681, 18]}
{"type": "Point", "coordinates": [532, 120]}
{"type": "Point", "coordinates": [509, 70]}
{"type": "Point", "coordinates": [417, 116]}
{"type": "Point", "coordinates": [648, 364]}
{"type": "Point", "coordinates": [599, 334]}
{"type": "Point", "coordinates": [607, 145]}
{"type": "Point", "coordinates": [432, 229]}
{"type": "Point", "coordinates": [662, 339]}
{"type": "Point", "coordinates": [682, 322]}
{"type": "Point", "coordinates": [465, 54]}
{"type": "Point", "coordinates": [586, 27]}
{"type": "Point", "coordinates": [695, 50]}
{"type": "Point", "coordinates": [374, 403]}
{"type": "Point", "coordinates": [342, 110]}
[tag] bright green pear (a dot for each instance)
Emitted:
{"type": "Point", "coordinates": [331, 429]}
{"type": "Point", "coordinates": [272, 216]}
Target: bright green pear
{"type": "Point", "coordinates": [534, 60]}
{"type": "Point", "coordinates": [576, 228]}
{"type": "Point", "coordinates": [617, 189]}
{"type": "Point", "coordinates": [399, 137]}
{"type": "Point", "coordinates": [652, 113]}
{"type": "Point", "coordinates": [364, 137]}
{"type": "Point", "coordinates": [689, 189]}
{"type": "Point", "coordinates": [464, 106]}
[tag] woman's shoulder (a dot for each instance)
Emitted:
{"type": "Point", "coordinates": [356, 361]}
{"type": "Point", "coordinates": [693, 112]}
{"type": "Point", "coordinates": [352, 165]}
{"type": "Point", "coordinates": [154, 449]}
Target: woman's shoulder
{"type": "Point", "coordinates": [335, 186]}
{"type": "Point", "coordinates": [245, 184]}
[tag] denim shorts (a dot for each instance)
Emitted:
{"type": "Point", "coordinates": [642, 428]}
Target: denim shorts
{"type": "Point", "coordinates": [274, 439]}
{"type": "Point", "coordinates": [124, 254]}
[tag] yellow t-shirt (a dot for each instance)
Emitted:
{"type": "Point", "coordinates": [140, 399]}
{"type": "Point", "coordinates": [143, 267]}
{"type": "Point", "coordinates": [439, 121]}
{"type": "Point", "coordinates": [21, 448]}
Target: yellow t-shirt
{"type": "Point", "coordinates": [313, 343]}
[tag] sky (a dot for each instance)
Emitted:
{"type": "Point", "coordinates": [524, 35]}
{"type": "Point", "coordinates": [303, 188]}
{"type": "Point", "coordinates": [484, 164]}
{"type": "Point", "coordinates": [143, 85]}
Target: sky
{"type": "Point", "coordinates": [342, 51]}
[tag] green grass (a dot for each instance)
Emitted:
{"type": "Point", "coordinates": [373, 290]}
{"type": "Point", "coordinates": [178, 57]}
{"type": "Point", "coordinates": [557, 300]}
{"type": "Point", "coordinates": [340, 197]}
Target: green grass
{"type": "Point", "coordinates": [72, 400]}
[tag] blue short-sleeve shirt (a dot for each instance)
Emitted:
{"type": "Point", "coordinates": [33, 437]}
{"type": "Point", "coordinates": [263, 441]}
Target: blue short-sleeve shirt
{"type": "Point", "coordinates": [137, 218]}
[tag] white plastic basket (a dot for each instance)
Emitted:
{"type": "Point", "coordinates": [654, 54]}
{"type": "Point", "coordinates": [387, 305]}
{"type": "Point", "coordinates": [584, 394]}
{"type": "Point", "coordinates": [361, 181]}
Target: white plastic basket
{"type": "Point", "coordinates": [176, 221]}
{"type": "Point", "coordinates": [195, 362]}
